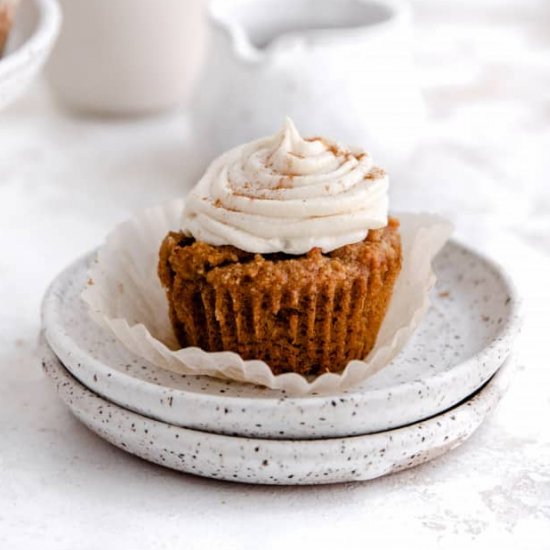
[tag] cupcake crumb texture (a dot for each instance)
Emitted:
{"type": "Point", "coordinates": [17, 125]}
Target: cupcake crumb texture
{"type": "Point", "coordinates": [308, 314]}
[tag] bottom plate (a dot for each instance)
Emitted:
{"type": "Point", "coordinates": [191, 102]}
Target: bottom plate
{"type": "Point", "coordinates": [270, 461]}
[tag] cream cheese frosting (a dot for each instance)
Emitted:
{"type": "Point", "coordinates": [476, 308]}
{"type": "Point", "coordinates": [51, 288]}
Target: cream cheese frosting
{"type": "Point", "coordinates": [288, 194]}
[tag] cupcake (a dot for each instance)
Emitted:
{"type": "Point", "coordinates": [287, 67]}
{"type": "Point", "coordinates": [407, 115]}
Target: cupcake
{"type": "Point", "coordinates": [7, 12]}
{"type": "Point", "coordinates": [285, 254]}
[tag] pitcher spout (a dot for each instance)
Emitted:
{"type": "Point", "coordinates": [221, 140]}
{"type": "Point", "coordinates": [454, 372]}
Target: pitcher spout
{"type": "Point", "coordinates": [258, 29]}
{"type": "Point", "coordinates": [228, 28]}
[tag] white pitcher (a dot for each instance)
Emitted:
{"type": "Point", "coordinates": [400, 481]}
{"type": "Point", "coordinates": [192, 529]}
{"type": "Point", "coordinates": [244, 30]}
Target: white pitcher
{"type": "Point", "coordinates": [340, 68]}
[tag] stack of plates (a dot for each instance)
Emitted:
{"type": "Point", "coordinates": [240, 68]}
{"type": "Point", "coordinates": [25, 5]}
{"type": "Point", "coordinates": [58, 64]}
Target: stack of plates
{"type": "Point", "coordinates": [429, 400]}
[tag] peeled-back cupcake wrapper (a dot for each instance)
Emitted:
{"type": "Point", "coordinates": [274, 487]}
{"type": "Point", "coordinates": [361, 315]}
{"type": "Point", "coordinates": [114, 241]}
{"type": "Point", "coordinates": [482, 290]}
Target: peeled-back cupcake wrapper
{"type": "Point", "coordinates": [125, 296]}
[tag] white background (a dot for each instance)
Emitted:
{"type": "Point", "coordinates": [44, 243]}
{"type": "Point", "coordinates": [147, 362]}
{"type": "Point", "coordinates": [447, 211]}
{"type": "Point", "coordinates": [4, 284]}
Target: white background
{"type": "Point", "coordinates": [484, 162]}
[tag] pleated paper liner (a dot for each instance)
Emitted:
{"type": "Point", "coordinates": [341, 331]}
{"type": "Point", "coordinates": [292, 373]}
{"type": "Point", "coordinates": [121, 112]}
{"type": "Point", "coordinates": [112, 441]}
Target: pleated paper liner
{"type": "Point", "coordinates": [124, 294]}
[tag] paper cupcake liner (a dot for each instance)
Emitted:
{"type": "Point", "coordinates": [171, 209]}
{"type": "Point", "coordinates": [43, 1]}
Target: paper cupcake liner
{"type": "Point", "coordinates": [125, 296]}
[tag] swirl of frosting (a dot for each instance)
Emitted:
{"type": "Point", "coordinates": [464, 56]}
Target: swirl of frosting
{"type": "Point", "coordinates": [287, 194]}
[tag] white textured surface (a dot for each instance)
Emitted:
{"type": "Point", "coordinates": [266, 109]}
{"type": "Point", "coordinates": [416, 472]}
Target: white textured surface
{"type": "Point", "coordinates": [65, 181]}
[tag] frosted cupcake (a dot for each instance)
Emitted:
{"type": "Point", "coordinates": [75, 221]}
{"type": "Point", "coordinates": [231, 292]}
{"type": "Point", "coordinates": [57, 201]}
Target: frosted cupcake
{"type": "Point", "coordinates": [286, 254]}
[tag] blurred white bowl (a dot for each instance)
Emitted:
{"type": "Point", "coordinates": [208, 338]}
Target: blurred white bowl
{"type": "Point", "coordinates": [31, 39]}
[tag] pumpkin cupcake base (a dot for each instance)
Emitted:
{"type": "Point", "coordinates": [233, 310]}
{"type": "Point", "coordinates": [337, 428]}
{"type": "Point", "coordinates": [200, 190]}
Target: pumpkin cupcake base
{"type": "Point", "coordinates": [307, 314]}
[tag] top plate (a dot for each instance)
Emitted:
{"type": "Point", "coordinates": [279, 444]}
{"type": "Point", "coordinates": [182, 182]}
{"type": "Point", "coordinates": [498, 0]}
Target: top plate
{"type": "Point", "coordinates": [465, 336]}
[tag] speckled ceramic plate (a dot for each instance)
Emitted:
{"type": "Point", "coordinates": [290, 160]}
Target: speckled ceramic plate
{"type": "Point", "coordinates": [465, 336]}
{"type": "Point", "coordinates": [272, 461]}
